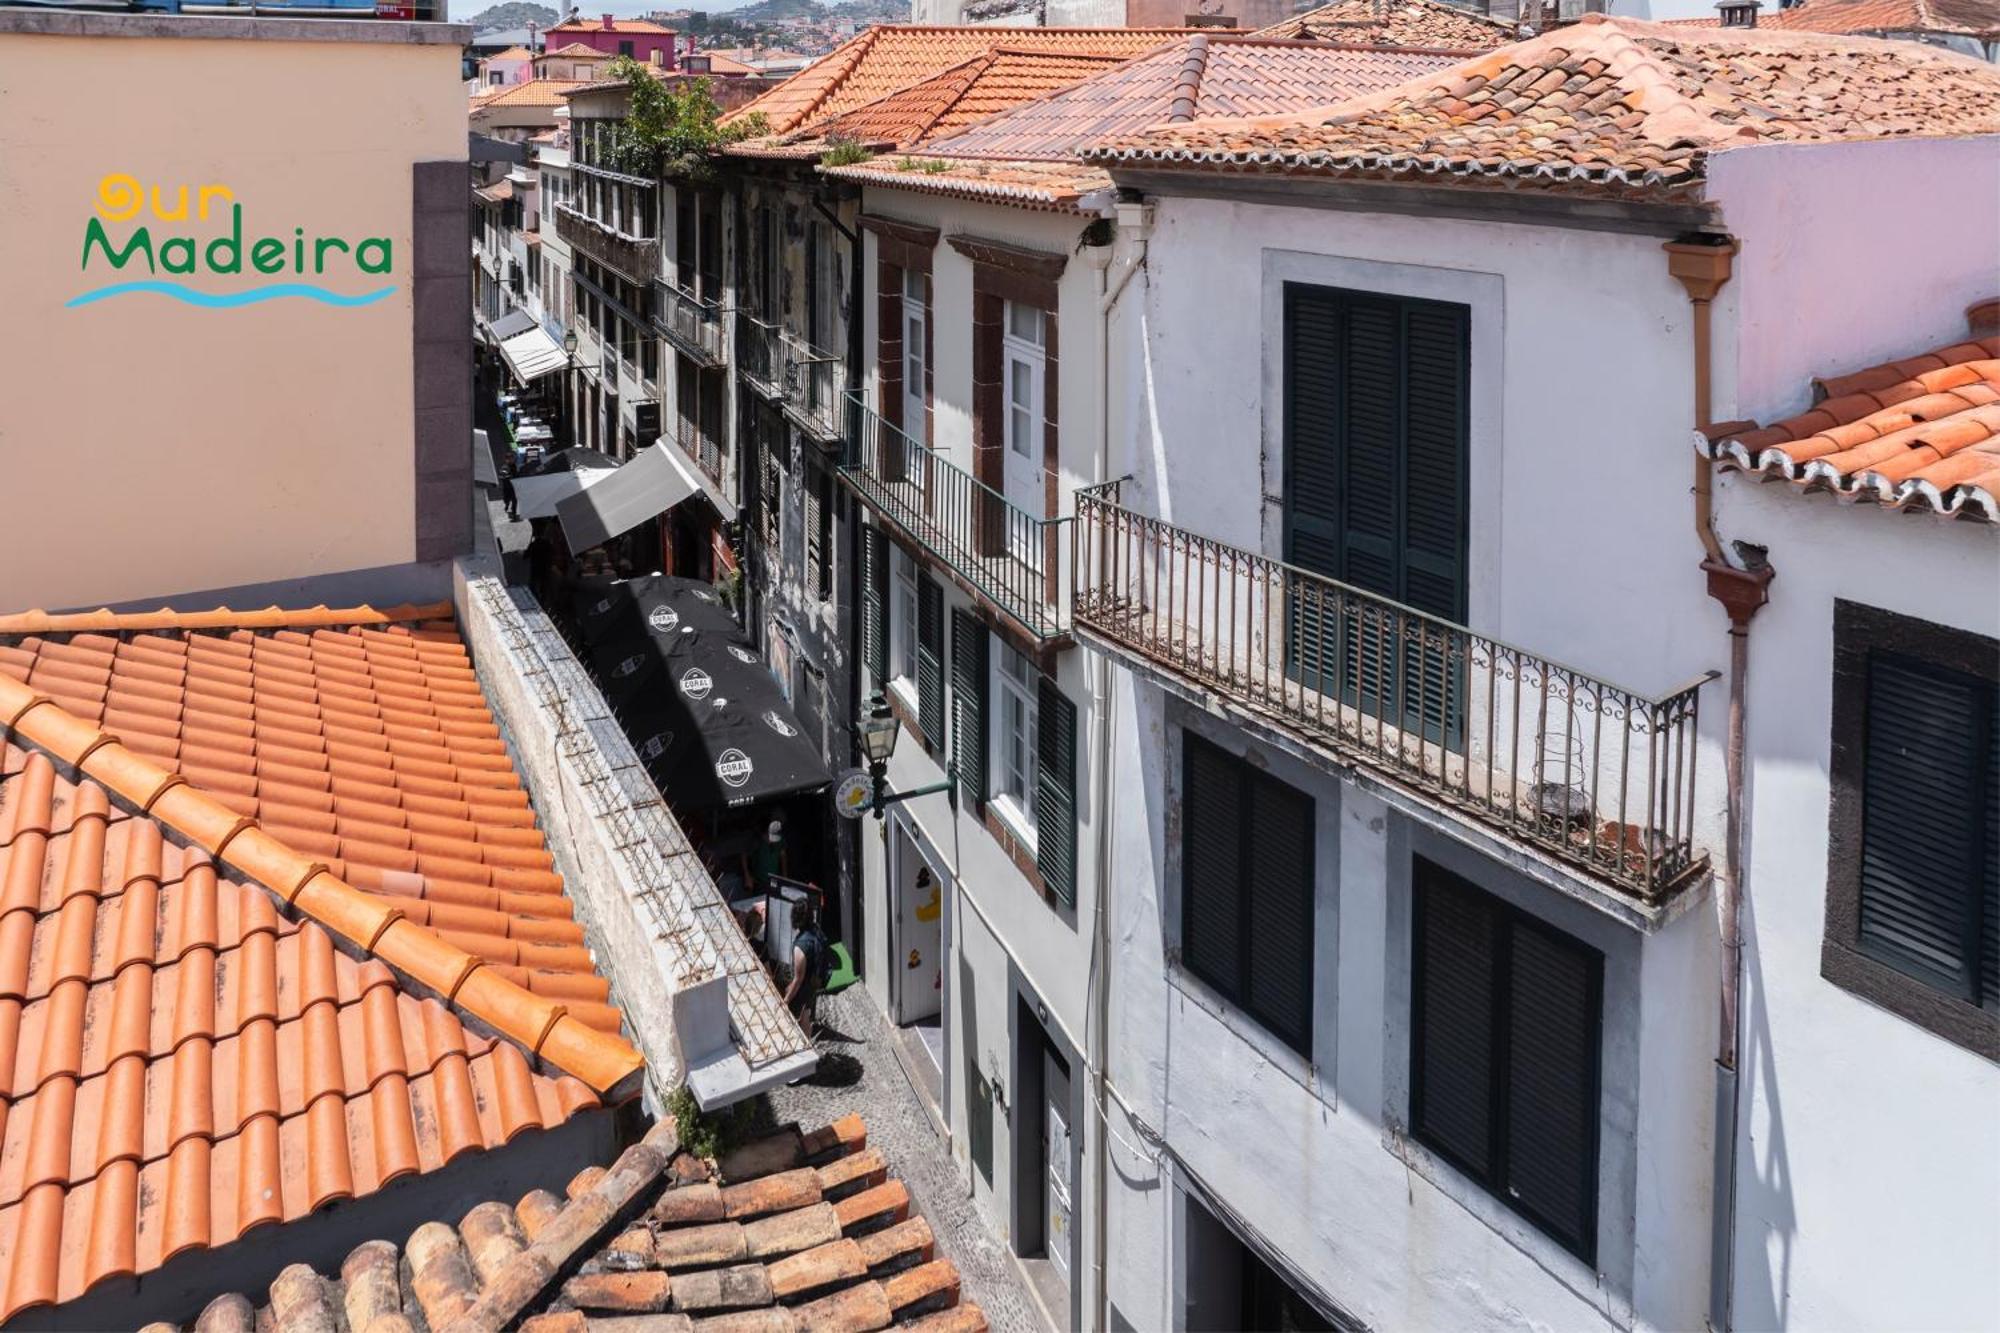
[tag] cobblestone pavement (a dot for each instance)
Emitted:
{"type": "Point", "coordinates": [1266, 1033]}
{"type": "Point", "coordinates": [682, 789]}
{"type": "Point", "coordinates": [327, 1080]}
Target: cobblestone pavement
{"type": "Point", "coordinates": [898, 1124]}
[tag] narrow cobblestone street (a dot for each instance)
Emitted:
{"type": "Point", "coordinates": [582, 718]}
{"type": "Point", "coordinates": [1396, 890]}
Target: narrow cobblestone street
{"type": "Point", "coordinates": [898, 1123]}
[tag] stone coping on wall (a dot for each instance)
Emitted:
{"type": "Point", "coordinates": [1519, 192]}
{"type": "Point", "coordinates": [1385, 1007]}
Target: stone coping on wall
{"type": "Point", "coordinates": [231, 27]}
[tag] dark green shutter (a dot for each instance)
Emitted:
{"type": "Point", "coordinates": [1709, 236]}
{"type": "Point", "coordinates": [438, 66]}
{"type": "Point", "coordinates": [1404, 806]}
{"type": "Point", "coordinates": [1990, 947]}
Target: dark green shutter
{"type": "Point", "coordinates": [1055, 791]}
{"type": "Point", "coordinates": [930, 659]}
{"type": "Point", "coordinates": [874, 600]}
{"type": "Point", "coordinates": [1211, 865]}
{"type": "Point", "coordinates": [1926, 816]}
{"type": "Point", "coordinates": [1279, 901]}
{"type": "Point", "coordinates": [970, 677]}
{"type": "Point", "coordinates": [1506, 1020]}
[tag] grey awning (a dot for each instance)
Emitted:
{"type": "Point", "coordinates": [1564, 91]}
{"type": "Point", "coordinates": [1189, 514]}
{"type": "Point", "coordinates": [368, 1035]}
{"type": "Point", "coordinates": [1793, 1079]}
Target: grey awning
{"type": "Point", "coordinates": [709, 489]}
{"type": "Point", "coordinates": [513, 322]}
{"type": "Point", "coordinates": [651, 484]}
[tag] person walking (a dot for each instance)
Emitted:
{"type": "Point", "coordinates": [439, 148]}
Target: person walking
{"type": "Point", "coordinates": [767, 860]}
{"type": "Point", "coordinates": [809, 953]}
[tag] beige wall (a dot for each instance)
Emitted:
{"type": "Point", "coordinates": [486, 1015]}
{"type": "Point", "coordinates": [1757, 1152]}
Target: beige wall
{"type": "Point", "coordinates": [150, 448]}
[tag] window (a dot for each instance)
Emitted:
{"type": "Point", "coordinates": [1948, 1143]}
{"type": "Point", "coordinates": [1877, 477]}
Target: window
{"type": "Point", "coordinates": [1015, 732]}
{"type": "Point", "coordinates": [930, 660]}
{"type": "Point", "coordinates": [1024, 359]}
{"type": "Point", "coordinates": [625, 48]}
{"type": "Point", "coordinates": [903, 618]}
{"type": "Point", "coordinates": [875, 603]}
{"type": "Point", "coordinates": [1505, 1029]}
{"type": "Point", "coordinates": [1375, 431]}
{"type": "Point", "coordinates": [916, 317]}
{"type": "Point", "coordinates": [1913, 877]}
{"type": "Point", "coordinates": [1247, 889]}
{"type": "Point", "coordinates": [818, 531]}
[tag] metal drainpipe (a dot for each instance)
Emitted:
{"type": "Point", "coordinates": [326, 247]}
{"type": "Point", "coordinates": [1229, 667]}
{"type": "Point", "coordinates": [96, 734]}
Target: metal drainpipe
{"type": "Point", "coordinates": [1135, 224]}
{"type": "Point", "coordinates": [1702, 265]}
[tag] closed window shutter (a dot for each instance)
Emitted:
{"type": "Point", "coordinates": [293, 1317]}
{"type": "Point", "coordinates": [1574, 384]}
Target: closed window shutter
{"type": "Point", "coordinates": [1452, 1079]}
{"type": "Point", "coordinates": [874, 597]}
{"type": "Point", "coordinates": [969, 682]}
{"type": "Point", "coordinates": [930, 660]}
{"type": "Point", "coordinates": [1989, 944]}
{"type": "Point", "coordinates": [1279, 896]}
{"type": "Point", "coordinates": [815, 536]}
{"type": "Point", "coordinates": [1055, 791]}
{"type": "Point", "coordinates": [1551, 1092]}
{"type": "Point", "coordinates": [1927, 759]}
{"type": "Point", "coordinates": [1211, 865]}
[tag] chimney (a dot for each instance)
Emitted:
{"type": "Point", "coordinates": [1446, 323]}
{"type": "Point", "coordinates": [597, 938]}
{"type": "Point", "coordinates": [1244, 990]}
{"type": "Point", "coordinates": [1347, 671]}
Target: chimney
{"type": "Point", "coordinates": [1739, 13]}
{"type": "Point", "coordinates": [690, 38]}
{"type": "Point", "coordinates": [609, 25]}
{"type": "Point", "coordinates": [531, 36]}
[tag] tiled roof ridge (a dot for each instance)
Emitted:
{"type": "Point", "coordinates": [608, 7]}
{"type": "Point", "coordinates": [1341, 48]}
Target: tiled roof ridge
{"type": "Point", "coordinates": [1917, 433]}
{"type": "Point", "coordinates": [966, 73]}
{"type": "Point", "coordinates": [853, 50]}
{"type": "Point", "coordinates": [366, 921]}
{"type": "Point", "coordinates": [1187, 83]}
{"type": "Point", "coordinates": [106, 621]}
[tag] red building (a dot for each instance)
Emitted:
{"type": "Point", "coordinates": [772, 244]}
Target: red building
{"type": "Point", "coordinates": [619, 37]}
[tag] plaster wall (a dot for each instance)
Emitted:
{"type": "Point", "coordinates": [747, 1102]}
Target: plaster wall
{"type": "Point", "coordinates": [283, 431]}
{"type": "Point", "coordinates": [1846, 1104]}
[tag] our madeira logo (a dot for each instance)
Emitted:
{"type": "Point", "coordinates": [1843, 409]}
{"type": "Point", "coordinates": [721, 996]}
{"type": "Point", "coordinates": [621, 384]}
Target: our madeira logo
{"type": "Point", "coordinates": [165, 243]}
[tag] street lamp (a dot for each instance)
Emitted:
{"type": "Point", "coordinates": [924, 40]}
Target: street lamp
{"type": "Point", "coordinates": [569, 344]}
{"type": "Point", "coordinates": [878, 731]}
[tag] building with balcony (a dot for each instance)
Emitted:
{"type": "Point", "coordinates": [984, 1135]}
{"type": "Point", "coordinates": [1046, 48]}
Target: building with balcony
{"type": "Point", "coordinates": [1424, 810]}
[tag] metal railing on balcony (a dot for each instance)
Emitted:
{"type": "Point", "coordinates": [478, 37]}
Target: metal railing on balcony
{"type": "Point", "coordinates": [701, 446]}
{"type": "Point", "coordinates": [814, 384]}
{"type": "Point", "coordinates": [687, 321]}
{"type": "Point", "coordinates": [637, 257]}
{"type": "Point", "coordinates": [1598, 777]}
{"type": "Point", "coordinates": [757, 352]}
{"type": "Point", "coordinates": [1010, 556]}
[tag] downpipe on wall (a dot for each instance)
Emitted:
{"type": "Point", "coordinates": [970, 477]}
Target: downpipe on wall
{"type": "Point", "coordinates": [1702, 264]}
{"type": "Point", "coordinates": [1116, 264]}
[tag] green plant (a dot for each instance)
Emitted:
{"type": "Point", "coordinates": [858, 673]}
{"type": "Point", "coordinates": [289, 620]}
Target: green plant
{"type": "Point", "coordinates": [934, 166]}
{"type": "Point", "coordinates": [842, 152]}
{"type": "Point", "coordinates": [709, 1134]}
{"type": "Point", "coordinates": [671, 128]}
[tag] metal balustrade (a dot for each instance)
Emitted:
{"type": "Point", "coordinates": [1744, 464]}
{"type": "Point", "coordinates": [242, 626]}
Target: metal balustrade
{"type": "Point", "coordinates": [1598, 777]}
{"type": "Point", "coordinates": [757, 352]}
{"type": "Point", "coordinates": [693, 325]}
{"type": "Point", "coordinates": [699, 445]}
{"type": "Point", "coordinates": [813, 384]}
{"type": "Point", "coordinates": [1003, 552]}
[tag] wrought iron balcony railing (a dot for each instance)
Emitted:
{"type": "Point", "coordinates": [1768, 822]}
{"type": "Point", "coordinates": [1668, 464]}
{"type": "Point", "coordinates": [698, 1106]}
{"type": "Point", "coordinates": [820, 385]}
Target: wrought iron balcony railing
{"type": "Point", "coordinates": [701, 446]}
{"type": "Point", "coordinates": [757, 354]}
{"type": "Point", "coordinates": [1597, 777]}
{"type": "Point", "coordinates": [637, 257]}
{"type": "Point", "coordinates": [814, 385]}
{"type": "Point", "coordinates": [1003, 552]}
{"type": "Point", "coordinates": [693, 325]}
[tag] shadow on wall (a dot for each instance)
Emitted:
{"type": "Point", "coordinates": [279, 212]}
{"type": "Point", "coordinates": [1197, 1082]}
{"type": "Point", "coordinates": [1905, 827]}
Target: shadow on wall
{"type": "Point", "coordinates": [1765, 1211]}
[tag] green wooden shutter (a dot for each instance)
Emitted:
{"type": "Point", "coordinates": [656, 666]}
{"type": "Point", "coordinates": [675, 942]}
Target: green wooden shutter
{"type": "Point", "coordinates": [1451, 1020]}
{"type": "Point", "coordinates": [1212, 801]}
{"type": "Point", "coordinates": [1278, 900]}
{"type": "Point", "coordinates": [1055, 791]}
{"type": "Point", "coordinates": [815, 533]}
{"type": "Point", "coordinates": [1989, 945]}
{"type": "Point", "coordinates": [1925, 811]}
{"type": "Point", "coordinates": [1551, 1039]}
{"type": "Point", "coordinates": [970, 678]}
{"type": "Point", "coordinates": [930, 659]}
{"type": "Point", "coordinates": [874, 600]}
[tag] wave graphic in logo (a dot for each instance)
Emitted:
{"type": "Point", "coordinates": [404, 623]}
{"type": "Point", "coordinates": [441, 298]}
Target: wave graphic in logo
{"type": "Point", "coordinates": [227, 300]}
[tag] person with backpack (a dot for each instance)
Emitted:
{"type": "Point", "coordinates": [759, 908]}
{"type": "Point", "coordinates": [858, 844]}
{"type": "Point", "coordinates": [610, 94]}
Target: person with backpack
{"type": "Point", "coordinates": [811, 956]}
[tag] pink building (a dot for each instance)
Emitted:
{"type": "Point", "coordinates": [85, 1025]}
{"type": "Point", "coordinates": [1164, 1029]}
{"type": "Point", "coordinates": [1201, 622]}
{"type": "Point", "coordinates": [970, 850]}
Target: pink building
{"type": "Point", "coordinates": [648, 43]}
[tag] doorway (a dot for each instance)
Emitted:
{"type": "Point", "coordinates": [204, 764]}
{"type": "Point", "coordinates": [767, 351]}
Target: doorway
{"type": "Point", "coordinates": [1047, 1155]}
{"type": "Point", "coordinates": [916, 942]}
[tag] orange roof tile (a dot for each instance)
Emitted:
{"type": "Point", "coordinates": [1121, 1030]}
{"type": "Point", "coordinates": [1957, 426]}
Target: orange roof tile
{"type": "Point", "coordinates": [184, 1051]}
{"type": "Point", "coordinates": [574, 49]}
{"type": "Point", "coordinates": [530, 92]}
{"type": "Point", "coordinates": [1971, 18]}
{"type": "Point", "coordinates": [720, 63]}
{"type": "Point", "coordinates": [890, 56]}
{"type": "Point", "coordinates": [1605, 104]}
{"type": "Point", "coordinates": [512, 53]}
{"type": "Point", "coordinates": [1051, 186]}
{"type": "Point", "coordinates": [1921, 433]}
{"type": "Point", "coordinates": [1420, 23]}
{"type": "Point", "coordinates": [617, 25]}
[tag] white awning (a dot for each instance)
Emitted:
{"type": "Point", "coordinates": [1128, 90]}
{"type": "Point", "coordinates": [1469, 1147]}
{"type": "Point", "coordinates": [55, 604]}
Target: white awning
{"type": "Point", "coordinates": [514, 322]}
{"type": "Point", "coordinates": [538, 496]}
{"type": "Point", "coordinates": [532, 355]}
{"type": "Point", "coordinates": [651, 484]}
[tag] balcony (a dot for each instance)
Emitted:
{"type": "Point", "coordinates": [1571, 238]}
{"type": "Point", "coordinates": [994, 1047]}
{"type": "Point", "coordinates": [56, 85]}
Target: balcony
{"type": "Point", "coordinates": [637, 257]}
{"type": "Point", "coordinates": [996, 549]}
{"type": "Point", "coordinates": [691, 324]}
{"type": "Point", "coordinates": [700, 447]}
{"type": "Point", "coordinates": [1599, 778]}
{"type": "Point", "coordinates": [811, 385]}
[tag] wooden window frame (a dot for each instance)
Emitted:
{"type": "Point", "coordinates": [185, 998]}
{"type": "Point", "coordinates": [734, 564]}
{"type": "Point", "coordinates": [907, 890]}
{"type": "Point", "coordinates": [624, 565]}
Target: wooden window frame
{"type": "Point", "coordinates": [1858, 631]}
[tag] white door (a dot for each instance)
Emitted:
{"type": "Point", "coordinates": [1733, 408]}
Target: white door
{"type": "Point", "coordinates": [916, 319]}
{"type": "Point", "coordinates": [919, 943]}
{"type": "Point", "coordinates": [1056, 1163]}
{"type": "Point", "coordinates": [1024, 370]}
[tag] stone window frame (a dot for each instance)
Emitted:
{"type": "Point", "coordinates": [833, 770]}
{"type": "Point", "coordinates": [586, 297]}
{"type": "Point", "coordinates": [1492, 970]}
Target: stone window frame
{"type": "Point", "coordinates": [1859, 629]}
{"type": "Point", "coordinates": [901, 247]}
{"type": "Point", "coordinates": [1003, 273]}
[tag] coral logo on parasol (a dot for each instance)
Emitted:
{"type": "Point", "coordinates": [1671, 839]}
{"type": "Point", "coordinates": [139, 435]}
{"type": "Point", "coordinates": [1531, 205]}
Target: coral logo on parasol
{"type": "Point", "coordinates": [663, 618]}
{"type": "Point", "coordinates": [734, 767]}
{"type": "Point", "coordinates": [743, 655]}
{"type": "Point", "coordinates": [629, 665]}
{"type": "Point", "coordinates": [778, 724]}
{"type": "Point", "coordinates": [695, 683]}
{"type": "Point", "coordinates": [218, 251]}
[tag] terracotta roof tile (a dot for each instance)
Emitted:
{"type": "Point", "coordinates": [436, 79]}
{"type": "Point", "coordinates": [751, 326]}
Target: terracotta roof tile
{"type": "Point", "coordinates": [180, 1059]}
{"type": "Point", "coordinates": [513, 53]}
{"type": "Point", "coordinates": [1921, 433]}
{"type": "Point", "coordinates": [625, 1242]}
{"type": "Point", "coordinates": [889, 57]}
{"type": "Point", "coordinates": [617, 25]}
{"type": "Point", "coordinates": [1969, 18]}
{"type": "Point", "coordinates": [968, 92]}
{"type": "Point", "coordinates": [529, 92]}
{"type": "Point", "coordinates": [1604, 104]}
{"type": "Point", "coordinates": [1415, 23]}
{"type": "Point", "coordinates": [1024, 156]}
{"type": "Point", "coordinates": [584, 49]}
